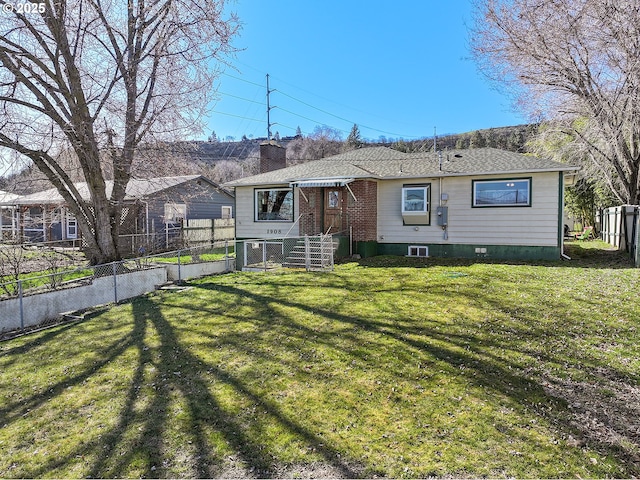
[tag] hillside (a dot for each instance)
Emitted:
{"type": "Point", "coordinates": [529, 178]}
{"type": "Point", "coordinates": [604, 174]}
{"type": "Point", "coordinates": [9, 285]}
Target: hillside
{"type": "Point", "coordinates": [513, 139]}
{"type": "Point", "coordinates": [225, 161]}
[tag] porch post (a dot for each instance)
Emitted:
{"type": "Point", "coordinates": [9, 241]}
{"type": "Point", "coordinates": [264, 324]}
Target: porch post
{"type": "Point", "coordinates": [44, 223]}
{"type": "Point", "coordinates": [15, 214]}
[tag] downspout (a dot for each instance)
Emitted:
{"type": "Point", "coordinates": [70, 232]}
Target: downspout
{"type": "Point", "coordinates": [445, 235]}
{"type": "Point", "coordinates": [563, 255]}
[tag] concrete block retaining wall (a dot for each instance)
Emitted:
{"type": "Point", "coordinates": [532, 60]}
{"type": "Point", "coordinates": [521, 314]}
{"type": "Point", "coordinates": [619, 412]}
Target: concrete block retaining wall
{"type": "Point", "coordinates": [195, 270]}
{"type": "Point", "coordinates": [41, 308]}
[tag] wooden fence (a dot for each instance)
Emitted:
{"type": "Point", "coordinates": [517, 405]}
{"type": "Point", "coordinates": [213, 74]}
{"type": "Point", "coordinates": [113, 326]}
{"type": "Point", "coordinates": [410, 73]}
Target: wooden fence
{"type": "Point", "coordinates": [620, 227]}
{"type": "Point", "coordinates": [208, 230]}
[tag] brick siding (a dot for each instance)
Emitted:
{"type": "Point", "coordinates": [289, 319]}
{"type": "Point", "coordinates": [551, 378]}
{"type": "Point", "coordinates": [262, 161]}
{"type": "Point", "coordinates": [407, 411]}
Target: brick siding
{"type": "Point", "coordinates": [311, 211]}
{"type": "Point", "coordinates": [361, 215]}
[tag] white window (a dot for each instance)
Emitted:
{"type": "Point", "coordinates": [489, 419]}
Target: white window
{"type": "Point", "coordinates": [418, 251]}
{"type": "Point", "coordinates": [415, 199]}
{"type": "Point", "coordinates": [72, 226]}
{"type": "Point", "coordinates": [227, 212]}
{"type": "Point", "coordinates": [174, 212]}
{"type": "Point", "coordinates": [275, 204]}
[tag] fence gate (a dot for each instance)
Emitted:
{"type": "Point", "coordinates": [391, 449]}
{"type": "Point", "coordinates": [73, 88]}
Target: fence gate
{"type": "Point", "coordinates": [308, 252]}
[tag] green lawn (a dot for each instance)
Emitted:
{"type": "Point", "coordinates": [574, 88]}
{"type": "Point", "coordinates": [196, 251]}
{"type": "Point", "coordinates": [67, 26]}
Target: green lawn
{"type": "Point", "coordinates": [45, 278]}
{"type": "Point", "coordinates": [205, 257]}
{"type": "Point", "coordinates": [387, 366]}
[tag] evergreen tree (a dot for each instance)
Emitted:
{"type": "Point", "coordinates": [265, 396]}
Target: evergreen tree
{"type": "Point", "coordinates": [461, 142]}
{"type": "Point", "coordinates": [354, 140]}
{"type": "Point", "coordinates": [477, 140]}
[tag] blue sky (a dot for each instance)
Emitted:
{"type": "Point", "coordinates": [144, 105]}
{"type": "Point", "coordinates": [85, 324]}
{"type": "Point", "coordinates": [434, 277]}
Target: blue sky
{"type": "Point", "coordinates": [397, 69]}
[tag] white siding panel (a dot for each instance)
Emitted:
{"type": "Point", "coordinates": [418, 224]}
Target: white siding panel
{"type": "Point", "coordinates": [390, 227]}
{"type": "Point", "coordinates": [247, 227]}
{"type": "Point", "coordinates": [535, 225]}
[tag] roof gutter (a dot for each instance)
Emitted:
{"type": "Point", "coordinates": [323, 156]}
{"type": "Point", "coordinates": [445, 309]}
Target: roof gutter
{"type": "Point", "coordinates": [471, 174]}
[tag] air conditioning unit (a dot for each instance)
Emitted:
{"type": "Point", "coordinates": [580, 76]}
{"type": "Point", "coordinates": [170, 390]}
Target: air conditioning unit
{"type": "Point", "coordinates": [418, 251]}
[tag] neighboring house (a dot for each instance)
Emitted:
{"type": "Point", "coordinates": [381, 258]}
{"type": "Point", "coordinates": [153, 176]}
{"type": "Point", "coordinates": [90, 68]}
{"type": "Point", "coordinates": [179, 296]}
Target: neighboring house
{"type": "Point", "coordinates": [464, 203]}
{"type": "Point", "coordinates": [7, 215]}
{"type": "Point", "coordinates": [150, 205]}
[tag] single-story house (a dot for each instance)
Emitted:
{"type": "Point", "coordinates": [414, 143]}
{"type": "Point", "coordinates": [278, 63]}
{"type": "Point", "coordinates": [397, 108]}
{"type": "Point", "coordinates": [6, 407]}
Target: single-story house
{"type": "Point", "coordinates": [7, 215]}
{"type": "Point", "coordinates": [461, 203]}
{"type": "Point", "coordinates": [150, 205]}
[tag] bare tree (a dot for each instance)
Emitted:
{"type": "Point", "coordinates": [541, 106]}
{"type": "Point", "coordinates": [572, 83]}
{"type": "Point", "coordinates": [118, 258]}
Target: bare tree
{"type": "Point", "coordinates": [225, 171]}
{"type": "Point", "coordinates": [12, 258]}
{"type": "Point", "coordinates": [575, 63]}
{"type": "Point", "coordinates": [323, 142]}
{"type": "Point", "coordinates": [99, 77]}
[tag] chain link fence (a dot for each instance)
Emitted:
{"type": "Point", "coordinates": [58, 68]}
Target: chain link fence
{"type": "Point", "coordinates": [309, 252]}
{"type": "Point", "coordinates": [56, 276]}
{"type": "Point", "coordinates": [31, 299]}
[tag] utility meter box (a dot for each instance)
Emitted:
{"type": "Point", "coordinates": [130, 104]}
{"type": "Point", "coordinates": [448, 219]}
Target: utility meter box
{"type": "Point", "coordinates": [442, 214]}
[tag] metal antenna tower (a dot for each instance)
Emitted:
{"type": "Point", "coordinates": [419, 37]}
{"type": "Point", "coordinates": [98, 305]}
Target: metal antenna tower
{"type": "Point", "coordinates": [269, 107]}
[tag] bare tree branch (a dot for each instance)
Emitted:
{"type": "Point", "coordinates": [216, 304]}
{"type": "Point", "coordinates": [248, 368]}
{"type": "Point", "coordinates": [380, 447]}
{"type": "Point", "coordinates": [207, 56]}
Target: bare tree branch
{"type": "Point", "coordinates": [572, 60]}
{"type": "Point", "coordinates": [100, 77]}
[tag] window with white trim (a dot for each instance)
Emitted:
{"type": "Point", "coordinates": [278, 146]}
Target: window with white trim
{"type": "Point", "coordinates": [226, 212]}
{"type": "Point", "coordinates": [415, 199]}
{"type": "Point", "coordinates": [418, 251]}
{"type": "Point", "coordinates": [72, 226]}
{"type": "Point", "coordinates": [274, 205]}
{"type": "Point", "coordinates": [514, 192]}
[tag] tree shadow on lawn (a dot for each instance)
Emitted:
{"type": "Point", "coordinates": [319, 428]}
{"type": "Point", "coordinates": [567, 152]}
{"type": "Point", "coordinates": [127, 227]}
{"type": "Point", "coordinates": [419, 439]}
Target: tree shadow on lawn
{"type": "Point", "coordinates": [12, 411]}
{"type": "Point", "coordinates": [578, 409]}
{"type": "Point", "coordinates": [179, 373]}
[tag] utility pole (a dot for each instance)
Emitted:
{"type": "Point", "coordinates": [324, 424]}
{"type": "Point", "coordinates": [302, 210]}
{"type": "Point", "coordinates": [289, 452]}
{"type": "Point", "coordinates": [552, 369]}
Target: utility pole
{"type": "Point", "coordinates": [269, 107]}
{"type": "Point", "coordinates": [435, 140]}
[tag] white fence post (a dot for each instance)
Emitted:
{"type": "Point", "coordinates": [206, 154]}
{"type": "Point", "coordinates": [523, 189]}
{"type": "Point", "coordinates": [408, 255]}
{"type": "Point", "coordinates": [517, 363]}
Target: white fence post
{"type": "Point", "coordinates": [226, 254]}
{"type": "Point", "coordinates": [21, 305]}
{"type": "Point", "coordinates": [307, 253]}
{"type": "Point", "coordinates": [115, 281]}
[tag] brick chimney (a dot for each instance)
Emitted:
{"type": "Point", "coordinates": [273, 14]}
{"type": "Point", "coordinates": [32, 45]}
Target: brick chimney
{"type": "Point", "coordinates": [272, 156]}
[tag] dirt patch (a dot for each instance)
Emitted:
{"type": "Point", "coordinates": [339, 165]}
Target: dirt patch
{"type": "Point", "coordinates": [604, 413]}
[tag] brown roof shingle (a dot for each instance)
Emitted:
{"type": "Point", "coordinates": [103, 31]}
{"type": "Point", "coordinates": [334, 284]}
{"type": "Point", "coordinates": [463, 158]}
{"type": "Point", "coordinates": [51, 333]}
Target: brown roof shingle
{"type": "Point", "coordinates": [384, 163]}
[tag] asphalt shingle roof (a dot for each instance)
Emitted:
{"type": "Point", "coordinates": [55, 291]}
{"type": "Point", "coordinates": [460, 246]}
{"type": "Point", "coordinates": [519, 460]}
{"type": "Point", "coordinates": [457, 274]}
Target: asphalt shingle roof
{"type": "Point", "coordinates": [6, 197]}
{"type": "Point", "coordinates": [385, 163]}
{"type": "Point", "coordinates": [136, 188]}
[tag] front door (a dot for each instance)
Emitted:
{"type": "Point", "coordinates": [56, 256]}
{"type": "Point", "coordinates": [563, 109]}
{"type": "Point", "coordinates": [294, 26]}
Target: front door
{"type": "Point", "coordinates": [332, 210]}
